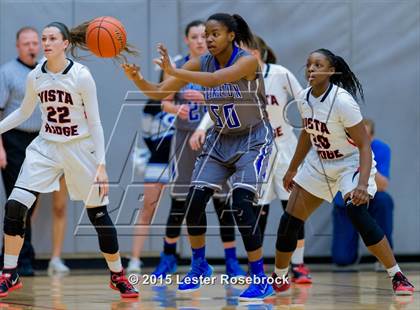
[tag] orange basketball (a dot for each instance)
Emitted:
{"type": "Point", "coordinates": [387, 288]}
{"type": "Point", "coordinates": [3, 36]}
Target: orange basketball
{"type": "Point", "coordinates": [106, 36]}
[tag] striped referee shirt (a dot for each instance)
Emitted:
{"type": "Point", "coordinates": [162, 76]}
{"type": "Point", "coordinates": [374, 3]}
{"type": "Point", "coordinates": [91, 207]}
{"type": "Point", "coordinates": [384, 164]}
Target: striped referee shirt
{"type": "Point", "coordinates": [12, 90]}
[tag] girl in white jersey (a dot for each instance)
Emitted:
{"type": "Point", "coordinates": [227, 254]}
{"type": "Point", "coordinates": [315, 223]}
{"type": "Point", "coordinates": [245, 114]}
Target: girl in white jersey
{"type": "Point", "coordinates": [281, 86]}
{"type": "Point", "coordinates": [70, 143]}
{"type": "Point", "coordinates": [336, 155]}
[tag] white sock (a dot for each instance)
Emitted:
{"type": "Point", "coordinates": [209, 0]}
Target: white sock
{"type": "Point", "coordinates": [115, 266]}
{"type": "Point", "coordinates": [281, 272]}
{"type": "Point", "coordinates": [297, 256]}
{"type": "Point", "coordinates": [393, 270]}
{"type": "Point", "coordinates": [10, 261]}
{"type": "Point", "coordinates": [55, 259]}
{"type": "Point", "coordinates": [135, 259]}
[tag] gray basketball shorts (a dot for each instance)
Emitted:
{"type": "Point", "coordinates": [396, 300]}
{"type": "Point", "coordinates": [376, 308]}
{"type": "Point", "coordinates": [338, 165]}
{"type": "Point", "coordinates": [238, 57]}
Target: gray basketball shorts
{"type": "Point", "coordinates": [241, 158]}
{"type": "Point", "coordinates": [182, 166]}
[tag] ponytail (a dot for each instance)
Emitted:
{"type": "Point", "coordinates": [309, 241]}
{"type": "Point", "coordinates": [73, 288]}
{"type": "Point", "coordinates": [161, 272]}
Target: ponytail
{"type": "Point", "coordinates": [267, 54]}
{"type": "Point", "coordinates": [236, 24]}
{"type": "Point", "coordinates": [77, 39]}
{"type": "Point", "coordinates": [243, 33]}
{"type": "Point", "coordinates": [343, 75]}
{"type": "Point", "coordinates": [270, 57]}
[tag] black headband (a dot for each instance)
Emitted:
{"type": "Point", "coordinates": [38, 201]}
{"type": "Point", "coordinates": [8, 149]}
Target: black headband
{"type": "Point", "coordinates": [63, 29]}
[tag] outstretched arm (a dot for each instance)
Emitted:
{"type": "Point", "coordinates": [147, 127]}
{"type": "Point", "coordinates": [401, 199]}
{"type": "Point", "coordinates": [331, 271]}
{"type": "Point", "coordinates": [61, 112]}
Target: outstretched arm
{"type": "Point", "coordinates": [24, 111]}
{"type": "Point", "coordinates": [245, 67]}
{"type": "Point", "coordinates": [165, 88]}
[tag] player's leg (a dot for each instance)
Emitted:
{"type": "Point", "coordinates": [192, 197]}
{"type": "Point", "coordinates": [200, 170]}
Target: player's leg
{"type": "Point", "coordinates": [80, 170]}
{"type": "Point", "coordinates": [15, 143]}
{"type": "Point", "coordinates": [168, 260]}
{"type": "Point", "coordinates": [197, 224]}
{"type": "Point", "coordinates": [182, 164]}
{"type": "Point", "coordinates": [208, 175]}
{"type": "Point", "coordinates": [246, 181]}
{"type": "Point", "coordinates": [108, 244]}
{"type": "Point", "coordinates": [309, 191]}
{"type": "Point", "coordinates": [227, 234]}
{"type": "Point", "coordinates": [372, 234]}
{"type": "Point", "coordinates": [262, 211]}
{"type": "Point", "coordinates": [16, 212]}
{"type": "Point", "coordinates": [151, 197]}
{"type": "Point", "coordinates": [300, 272]}
{"type": "Point", "coordinates": [156, 176]}
{"type": "Point", "coordinates": [39, 173]}
{"type": "Point", "coordinates": [59, 206]}
{"type": "Point", "coordinates": [345, 241]}
{"type": "Point", "coordinates": [300, 206]}
{"type": "Point", "coordinates": [381, 208]}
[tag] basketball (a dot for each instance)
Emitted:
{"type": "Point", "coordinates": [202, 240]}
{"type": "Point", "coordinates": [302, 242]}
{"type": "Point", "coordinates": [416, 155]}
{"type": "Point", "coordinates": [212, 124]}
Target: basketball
{"type": "Point", "coordinates": [106, 36]}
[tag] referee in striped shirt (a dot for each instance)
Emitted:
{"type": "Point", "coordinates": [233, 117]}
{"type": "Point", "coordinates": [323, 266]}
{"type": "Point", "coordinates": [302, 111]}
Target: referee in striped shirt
{"type": "Point", "coordinates": [14, 142]}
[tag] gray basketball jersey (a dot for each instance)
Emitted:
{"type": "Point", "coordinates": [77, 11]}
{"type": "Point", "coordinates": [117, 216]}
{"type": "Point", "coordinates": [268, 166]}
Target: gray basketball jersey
{"type": "Point", "coordinates": [197, 110]}
{"type": "Point", "coordinates": [234, 107]}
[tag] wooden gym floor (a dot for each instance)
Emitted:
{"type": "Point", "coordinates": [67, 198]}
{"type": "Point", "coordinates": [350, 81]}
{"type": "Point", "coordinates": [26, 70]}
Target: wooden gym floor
{"type": "Point", "coordinates": [330, 290]}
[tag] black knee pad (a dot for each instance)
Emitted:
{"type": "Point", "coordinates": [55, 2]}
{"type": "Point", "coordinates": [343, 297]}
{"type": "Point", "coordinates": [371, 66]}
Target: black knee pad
{"type": "Point", "coordinates": [226, 220]}
{"type": "Point", "coordinates": [243, 210]}
{"type": "Point", "coordinates": [262, 216]}
{"type": "Point", "coordinates": [175, 218]}
{"type": "Point", "coordinates": [15, 218]}
{"type": "Point", "coordinates": [287, 234]}
{"type": "Point", "coordinates": [365, 224]}
{"type": "Point", "coordinates": [107, 234]}
{"type": "Point", "coordinates": [301, 233]}
{"type": "Point", "coordinates": [196, 209]}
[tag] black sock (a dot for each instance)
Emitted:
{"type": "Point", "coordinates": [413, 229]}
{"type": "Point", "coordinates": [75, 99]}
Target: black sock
{"type": "Point", "coordinates": [10, 271]}
{"type": "Point", "coordinates": [169, 248]}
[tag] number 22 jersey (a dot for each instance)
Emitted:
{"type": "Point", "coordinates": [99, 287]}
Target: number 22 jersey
{"type": "Point", "coordinates": [61, 100]}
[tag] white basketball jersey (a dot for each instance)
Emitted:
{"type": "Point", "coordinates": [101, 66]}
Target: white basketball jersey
{"type": "Point", "coordinates": [326, 119]}
{"type": "Point", "coordinates": [61, 104]}
{"type": "Point", "coordinates": [281, 86]}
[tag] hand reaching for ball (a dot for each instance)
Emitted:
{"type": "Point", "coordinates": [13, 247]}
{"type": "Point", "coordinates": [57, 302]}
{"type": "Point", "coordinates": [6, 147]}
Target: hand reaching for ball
{"type": "Point", "coordinates": [132, 71]}
{"type": "Point", "coordinates": [164, 62]}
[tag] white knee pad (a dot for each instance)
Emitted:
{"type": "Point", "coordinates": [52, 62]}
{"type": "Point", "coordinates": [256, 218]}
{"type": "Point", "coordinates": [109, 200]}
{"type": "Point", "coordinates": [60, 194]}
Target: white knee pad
{"type": "Point", "coordinates": [25, 197]}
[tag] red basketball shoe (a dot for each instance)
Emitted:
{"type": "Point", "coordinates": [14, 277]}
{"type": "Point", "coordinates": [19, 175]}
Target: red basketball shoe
{"type": "Point", "coordinates": [301, 274]}
{"type": "Point", "coordinates": [120, 283]}
{"type": "Point", "coordinates": [401, 285]}
{"type": "Point", "coordinates": [9, 281]}
{"type": "Point", "coordinates": [280, 284]}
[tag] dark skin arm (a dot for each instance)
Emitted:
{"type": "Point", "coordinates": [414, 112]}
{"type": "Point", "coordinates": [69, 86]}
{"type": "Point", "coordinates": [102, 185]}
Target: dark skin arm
{"type": "Point", "coordinates": [245, 67]}
{"type": "Point", "coordinates": [161, 90]}
{"type": "Point", "coordinates": [302, 148]}
{"type": "Point", "coordinates": [358, 134]}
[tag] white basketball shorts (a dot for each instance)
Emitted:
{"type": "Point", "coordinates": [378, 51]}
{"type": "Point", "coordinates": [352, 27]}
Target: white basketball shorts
{"type": "Point", "coordinates": [47, 161]}
{"type": "Point", "coordinates": [323, 178]}
{"type": "Point", "coordinates": [280, 158]}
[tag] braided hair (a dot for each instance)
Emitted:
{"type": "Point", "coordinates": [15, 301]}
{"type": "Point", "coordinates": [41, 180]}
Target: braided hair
{"type": "Point", "coordinates": [343, 76]}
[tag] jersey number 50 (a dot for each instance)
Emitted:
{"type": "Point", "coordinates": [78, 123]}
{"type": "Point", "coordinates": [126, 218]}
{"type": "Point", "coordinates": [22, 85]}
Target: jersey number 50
{"type": "Point", "coordinates": [62, 117]}
{"type": "Point", "coordinates": [229, 113]}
